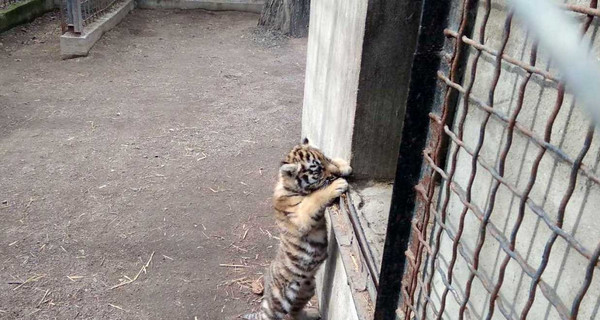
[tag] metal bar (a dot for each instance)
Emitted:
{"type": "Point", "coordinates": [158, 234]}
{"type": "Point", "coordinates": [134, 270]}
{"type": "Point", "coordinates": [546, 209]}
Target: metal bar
{"type": "Point", "coordinates": [545, 288]}
{"type": "Point", "coordinates": [589, 11]}
{"type": "Point", "coordinates": [501, 165]}
{"type": "Point", "coordinates": [80, 13]}
{"type": "Point", "coordinates": [420, 100]}
{"type": "Point", "coordinates": [556, 32]}
{"type": "Point", "coordinates": [535, 208]}
{"type": "Point", "coordinates": [439, 142]}
{"type": "Point", "coordinates": [540, 142]}
{"type": "Point", "coordinates": [365, 250]}
{"type": "Point", "coordinates": [589, 273]}
{"type": "Point", "coordinates": [444, 208]}
{"type": "Point", "coordinates": [76, 14]}
{"type": "Point", "coordinates": [424, 256]}
{"type": "Point", "coordinates": [527, 67]}
{"type": "Point", "coordinates": [457, 63]}
{"type": "Point", "coordinates": [561, 213]}
{"type": "Point", "coordinates": [534, 171]}
{"type": "Point", "coordinates": [485, 279]}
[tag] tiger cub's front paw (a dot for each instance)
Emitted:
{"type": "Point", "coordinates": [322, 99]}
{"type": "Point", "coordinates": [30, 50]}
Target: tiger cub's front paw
{"type": "Point", "coordinates": [338, 187]}
{"type": "Point", "coordinates": [343, 166]}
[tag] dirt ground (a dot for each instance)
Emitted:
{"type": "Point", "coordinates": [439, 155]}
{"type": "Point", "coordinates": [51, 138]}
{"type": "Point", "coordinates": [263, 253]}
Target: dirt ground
{"type": "Point", "coordinates": [161, 146]}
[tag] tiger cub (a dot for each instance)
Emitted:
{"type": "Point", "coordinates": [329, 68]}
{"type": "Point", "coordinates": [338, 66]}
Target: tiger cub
{"type": "Point", "coordinates": [308, 182]}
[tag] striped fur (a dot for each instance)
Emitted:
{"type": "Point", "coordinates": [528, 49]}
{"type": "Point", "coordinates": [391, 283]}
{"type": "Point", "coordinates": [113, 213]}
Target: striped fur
{"type": "Point", "coordinates": [308, 182]}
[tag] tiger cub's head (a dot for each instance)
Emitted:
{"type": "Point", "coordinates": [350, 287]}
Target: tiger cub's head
{"type": "Point", "coordinates": [304, 169]}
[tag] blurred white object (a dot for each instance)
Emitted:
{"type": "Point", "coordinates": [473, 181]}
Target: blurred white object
{"type": "Point", "coordinates": [560, 35]}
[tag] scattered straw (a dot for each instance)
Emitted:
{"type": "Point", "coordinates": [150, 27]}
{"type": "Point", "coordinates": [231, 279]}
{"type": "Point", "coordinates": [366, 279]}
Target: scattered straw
{"type": "Point", "coordinates": [354, 261]}
{"type": "Point", "coordinates": [143, 269]}
{"type": "Point", "coordinates": [34, 311]}
{"type": "Point", "coordinates": [30, 279]}
{"type": "Point", "coordinates": [44, 297]}
{"type": "Point", "coordinates": [73, 278]}
{"type": "Point", "coordinates": [117, 307]}
{"type": "Point", "coordinates": [239, 248]}
{"type": "Point", "coordinates": [233, 265]}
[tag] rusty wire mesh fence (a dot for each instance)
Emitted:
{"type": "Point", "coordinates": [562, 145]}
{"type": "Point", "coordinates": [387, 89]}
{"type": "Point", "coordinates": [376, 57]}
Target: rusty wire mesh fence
{"type": "Point", "coordinates": [76, 14]}
{"type": "Point", "coordinates": [506, 225]}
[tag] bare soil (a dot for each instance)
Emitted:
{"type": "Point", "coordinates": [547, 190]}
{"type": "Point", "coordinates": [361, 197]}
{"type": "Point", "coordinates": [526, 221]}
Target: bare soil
{"type": "Point", "coordinates": [165, 140]}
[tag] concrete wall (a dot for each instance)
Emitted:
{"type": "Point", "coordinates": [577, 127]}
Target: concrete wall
{"type": "Point", "coordinates": [359, 57]}
{"type": "Point", "coordinates": [334, 53]}
{"type": "Point", "coordinates": [357, 71]}
{"type": "Point", "coordinates": [215, 5]}
{"type": "Point", "coordinates": [344, 286]}
{"type": "Point", "coordinates": [335, 298]}
{"type": "Point", "coordinates": [78, 45]}
{"type": "Point", "coordinates": [566, 269]}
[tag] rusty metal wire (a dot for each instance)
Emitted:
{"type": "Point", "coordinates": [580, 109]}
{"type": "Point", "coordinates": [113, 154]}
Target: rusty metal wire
{"type": "Point", "coordinates": [425, 262]}
{"type": "Point", "coordinates": [76, 14]}
{"type": "Point", "coordinates": [93, 9]}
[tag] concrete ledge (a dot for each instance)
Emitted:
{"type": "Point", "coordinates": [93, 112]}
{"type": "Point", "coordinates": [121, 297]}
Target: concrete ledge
{"type": "Point", "coordinates": [73, 45]}
{"type": "Point", "coordinates": [213, 5]}
{"type": "Point", "coordinates": [344, 288]}
{"type": "Point", "coordinates": [23, 12]}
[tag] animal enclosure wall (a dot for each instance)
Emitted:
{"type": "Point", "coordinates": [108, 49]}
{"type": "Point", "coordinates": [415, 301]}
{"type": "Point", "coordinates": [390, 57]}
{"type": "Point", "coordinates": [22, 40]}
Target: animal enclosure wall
{"type": "Point", "coordinates": [506, 224]}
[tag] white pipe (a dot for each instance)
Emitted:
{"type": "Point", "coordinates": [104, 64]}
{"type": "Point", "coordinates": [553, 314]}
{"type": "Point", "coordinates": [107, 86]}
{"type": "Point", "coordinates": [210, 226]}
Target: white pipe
{"type": "Point", "coordinates": [559, 34]}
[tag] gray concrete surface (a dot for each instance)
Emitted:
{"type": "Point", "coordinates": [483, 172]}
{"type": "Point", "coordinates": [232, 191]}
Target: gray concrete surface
{"type": "Point", "coordinates": [358, 66]}
{"type": "Point", "coordinates": [213, 5]}
{"type": "Point", "coordinates": [335, 298]}
{"type": "Point", "coordinates": [332, 72]}
{"type": "Point", "coordinates": [74, 45]}
{"type": "Point", "coordinates": [347, 291]}
{"type": "Point", "coordinates": [333, 65]}
{"type": "Point", "coordinates": [372, 203]}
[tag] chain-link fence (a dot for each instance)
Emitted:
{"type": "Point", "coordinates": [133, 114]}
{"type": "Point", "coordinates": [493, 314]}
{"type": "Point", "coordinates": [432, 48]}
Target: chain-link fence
{"type": "Point", "coordinates": [76, 14]}
{"type": "Point", "coordinates": [506, 219]}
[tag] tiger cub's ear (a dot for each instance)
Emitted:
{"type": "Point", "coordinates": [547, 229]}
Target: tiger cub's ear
{"type": "Point", "coordinates": [305, 141]}
{"type": "Point", "coordinates": [289, 169]}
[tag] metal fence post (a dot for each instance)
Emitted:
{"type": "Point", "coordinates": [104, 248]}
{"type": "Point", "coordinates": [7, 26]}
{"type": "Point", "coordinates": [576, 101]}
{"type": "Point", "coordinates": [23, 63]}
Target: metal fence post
{"type": "Point", "coordinates": [74, 7]}
{"type": "Point", "coordinates": [410, 158]}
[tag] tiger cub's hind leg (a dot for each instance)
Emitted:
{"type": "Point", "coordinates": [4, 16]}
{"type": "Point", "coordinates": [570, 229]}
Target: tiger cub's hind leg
{"type": "Point", "coordinates": [299, 310]}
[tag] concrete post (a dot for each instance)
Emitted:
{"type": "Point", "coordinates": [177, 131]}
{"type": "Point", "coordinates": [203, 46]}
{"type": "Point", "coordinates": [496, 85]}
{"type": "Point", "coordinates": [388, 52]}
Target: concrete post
{"type": "Point", "coordinates": [357, 73]}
